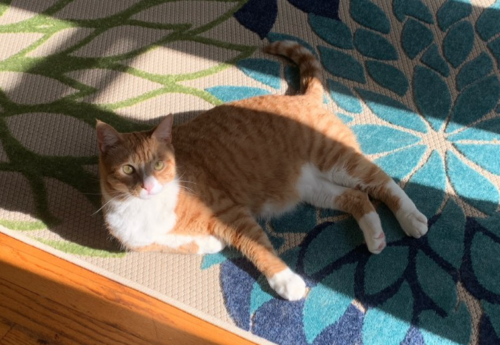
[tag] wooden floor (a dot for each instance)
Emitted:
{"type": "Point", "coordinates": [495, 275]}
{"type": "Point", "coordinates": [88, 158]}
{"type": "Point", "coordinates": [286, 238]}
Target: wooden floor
{"type": "Point", "coordinates": [46, 300]}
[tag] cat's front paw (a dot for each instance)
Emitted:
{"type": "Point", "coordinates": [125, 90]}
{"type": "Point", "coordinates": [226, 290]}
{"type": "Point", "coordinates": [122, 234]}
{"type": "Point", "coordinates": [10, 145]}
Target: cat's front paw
{"type": "Point", "coordinates": [209, 245]}
{"type": "Point", "coordinates": [414, 223]}
{"type": "Point", "coordinates": [288, 285]}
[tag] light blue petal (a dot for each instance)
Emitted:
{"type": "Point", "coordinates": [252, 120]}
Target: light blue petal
{"type": "Point", "coordinates": [474, 70]}
{"type": "Point", "coordinates": [452, 11]}
{"type": "Point", "coordinates": [413, 8]}
{"type": "Point", "coordinates": [399, 164]}
{"type": "Point", "coordinates": [446, 236]}
{"type": "Point", "coordinates": [328, 301]}
{"type": "Point", "coordinates": [452, 330]}
{"type": "Point", "coordinates": [474, 102]}
{"type": "Point", "coordinates": [431, 96]}
{"type": "Point", "coordinates": [485, 256]}
{"type": "Point", "coordinates": [388, 76]}
{"type": "Point", "coordinates": [485, 131]}
{"type": "Point", "coordinates": [344, 97]}
{"type": "Point", "coordinates": [345, 118]}
{"type": "Point", "coordinates": [332, 31]}
{"type": "Point", "coordinates": [235, 93]}
{"type": "Point", "coordinates": [458, 43]}
{"type": "Point", "coordinates": [488, 24]}
{"type": "Point", "coordinates": [471, 185]}
{"type": "Point", "coordinates": [369, 15]}
{"type": "Point", "coordinates": [341, 64]}
{"type": "Point", "coordinates": [415, 37]}
{"type": "Point", "coordinates": [377, 274]}
{"type": "Point", "coordinates": [427, 187]}
{"type": "Point", "coordinates": [392, 111]}
{"type": "Point", "coordinates": [210, 260]}
{"type": "Point", "coordinates": [433, 59]}
{"type": "Point", "coordinates": [378, 139]}
{"type": "Point", "coordinates": [301, 219]}
{"type": "Point", "coordinates": [374, 45]}
{"type": "Point", "coordinates": [485, 155]}
{"type": "Point", "coordinates": [332, 243]}
{"type": "Point", "coordinates": [389, 323]}
{"type": "Point", "coordinates": [265, 71]}
{"type": "Point", "coordinates": [274, 37]}
{"type": "Point", "coordinates": [436, 283]}
{"type": "Point", "coordinates": [493, 312]}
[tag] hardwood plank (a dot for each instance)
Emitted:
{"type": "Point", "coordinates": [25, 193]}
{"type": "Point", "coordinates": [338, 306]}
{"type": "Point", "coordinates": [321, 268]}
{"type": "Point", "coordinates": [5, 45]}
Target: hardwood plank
{"type": "Point", "coordinates": [21, 336]}
{"type": "Point", "coordinates": [68, 303]}
{"type": "Point", "coordinates": [5, 327]}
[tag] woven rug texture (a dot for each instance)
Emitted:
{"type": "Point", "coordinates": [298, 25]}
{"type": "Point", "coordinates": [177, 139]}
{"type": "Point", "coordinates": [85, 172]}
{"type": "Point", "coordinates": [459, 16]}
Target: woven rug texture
{"type": "Point", "coordinates": [417, 81]}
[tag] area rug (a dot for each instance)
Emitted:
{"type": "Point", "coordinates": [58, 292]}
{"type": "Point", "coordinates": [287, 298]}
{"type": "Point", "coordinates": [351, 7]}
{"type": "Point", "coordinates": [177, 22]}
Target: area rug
{"type": "Point", "coordinates": [417, 81]}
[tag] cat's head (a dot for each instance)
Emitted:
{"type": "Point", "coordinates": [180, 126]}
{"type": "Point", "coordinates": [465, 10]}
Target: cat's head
{"type": "Point", "coordinates": [136, 164]}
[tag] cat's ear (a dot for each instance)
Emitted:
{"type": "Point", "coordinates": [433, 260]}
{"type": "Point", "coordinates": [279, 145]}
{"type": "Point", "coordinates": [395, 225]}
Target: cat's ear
{"type": "Point", "coordinates": [107, 136]}
{"type": "Point", "coordinates": [163, 132]}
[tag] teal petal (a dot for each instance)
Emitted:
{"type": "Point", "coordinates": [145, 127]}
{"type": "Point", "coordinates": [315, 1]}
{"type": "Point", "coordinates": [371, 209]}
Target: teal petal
{"type": "Point", "coordinates": [292, 77]}
{"type": "Point", "coordinates": [493, 312]}
{"type": "Point", "coordinates": [344, 98]}
{"type": "Point", "coordinates": [431, 95]}
{"type": "Point", "coordinates": [389, 323]}
{"type": "Point", "coordinates": [400, 163]}
{"type": "Point", "coordinates": [474, 70]}
{"type": "Point", "coordinates": [485, 131]}
{"type": "Point", "coordinates": [328, 301]}
{"type": "Point", "coordinates": [474, 102]}
{"type": "Point", "coordinates": [374, 45]}
{"type": "Point", "coordinates": [235, 93]}
{"type": "Point", "coordinates": [488, 24]}
{"type": "Point", "coordinates": [332, 243]}
{"type": "Point", "coordinates": [378, 139]}
{"type": "Point", "coordinates": [436, 283]}
{"type": "Point", "coordinates": [332, 31]}
{"type": "Point", "coordinates": [485, 256]}
{"type": "Point", "coordinates": [341, 64]}
{"type": "Point", "coordinates": [415, 37]}
{"type": "Point", "coordinates": [265, 71]}
{"type": "Point", "coordinates": [369, 15]}
{"type": "Point", "coordinates": [485, 155]}
{"type": "Point", "coordinates": [388, 76]}
{"type": "Point", "coordinates": [210, 260]}
{"type": "Point", "coordinates": [452, 11]}
{"type": "Point", "coordinates": [412, 8]}
{"type": "Point", "coordinates": [452, 330]}
{"type": "Point", "coordinates": [377, 274]}
{"type": "Point", "coordinates": [491, 223]}
{"type": "Point", "coordinates": [446, 236]}
{"type": "Point", "coordinates": [390, 224]}
{"type": "Point", "coordinates": [275, 37]}
{"type": "Point", "coordinates": [433, 59]}
{"type": "Point", "coordinates": [471, 185]}
{"type": "Point", "coordinates": [301, 219]}
{"type": "Point", "coordinates": [458, 43]}
{"type": "Point", "coordinates": [427, 187]}
{"type": "Point", "coordinates": [392, 111]}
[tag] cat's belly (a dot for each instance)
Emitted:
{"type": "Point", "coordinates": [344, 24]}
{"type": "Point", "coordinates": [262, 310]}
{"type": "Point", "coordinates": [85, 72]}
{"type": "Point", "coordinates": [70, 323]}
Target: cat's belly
{"type": "Point", "coordinates": [207, 244]}
{"type": "Point", "coordinates": [273, 209]}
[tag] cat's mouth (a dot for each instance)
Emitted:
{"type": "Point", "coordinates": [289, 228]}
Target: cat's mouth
{"type": "Point", "coordinates": [149, 194]}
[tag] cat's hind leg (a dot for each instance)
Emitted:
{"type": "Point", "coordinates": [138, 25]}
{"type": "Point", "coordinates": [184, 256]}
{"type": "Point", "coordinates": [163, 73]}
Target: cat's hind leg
{"type": "Point", "coordinates": [322, 193]}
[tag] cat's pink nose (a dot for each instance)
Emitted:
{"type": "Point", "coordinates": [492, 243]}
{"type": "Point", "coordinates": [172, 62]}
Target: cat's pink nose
{"type": "Point", "coordinates": [148, 186]}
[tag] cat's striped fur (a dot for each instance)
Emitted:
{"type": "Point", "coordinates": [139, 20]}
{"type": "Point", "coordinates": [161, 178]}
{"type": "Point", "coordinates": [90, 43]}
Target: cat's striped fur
{"type": "Point", "coordinates": [256, 157]}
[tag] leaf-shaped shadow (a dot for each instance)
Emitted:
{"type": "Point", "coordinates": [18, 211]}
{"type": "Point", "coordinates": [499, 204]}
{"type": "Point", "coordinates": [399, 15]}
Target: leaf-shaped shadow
{"type": "Point", "coordinates": [262, 70]}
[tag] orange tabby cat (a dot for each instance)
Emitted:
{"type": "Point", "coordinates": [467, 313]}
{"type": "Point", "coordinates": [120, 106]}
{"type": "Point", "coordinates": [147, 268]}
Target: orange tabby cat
{"type": "Point", "coordinates": [198, 187]}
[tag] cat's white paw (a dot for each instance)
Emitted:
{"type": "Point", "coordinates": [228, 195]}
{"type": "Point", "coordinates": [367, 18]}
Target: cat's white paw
{"type": "Point", "coordinates": [288, 285]}
{"type": "Point", "coordinates": [414, 223]}
{"type": "Point", "coordinates": [209, 245]}
{"type": "Point", "coordinates": [372, 231]}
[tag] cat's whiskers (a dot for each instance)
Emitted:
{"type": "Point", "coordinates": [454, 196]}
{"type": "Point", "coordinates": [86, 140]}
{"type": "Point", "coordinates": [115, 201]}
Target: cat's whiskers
{"type": "Point", "coordinates": [113, 198]}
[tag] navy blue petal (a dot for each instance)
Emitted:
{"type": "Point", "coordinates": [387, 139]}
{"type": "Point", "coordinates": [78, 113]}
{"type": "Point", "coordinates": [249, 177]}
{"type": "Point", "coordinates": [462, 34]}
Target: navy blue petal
{"type": "Point", "coordinates": [258, 16]}
{"type": "Point", "coordinates": [325, 8]}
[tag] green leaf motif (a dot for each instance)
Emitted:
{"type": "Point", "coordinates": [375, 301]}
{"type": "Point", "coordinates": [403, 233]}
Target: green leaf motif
{"type": "Point", "coordinates": [74, 248]}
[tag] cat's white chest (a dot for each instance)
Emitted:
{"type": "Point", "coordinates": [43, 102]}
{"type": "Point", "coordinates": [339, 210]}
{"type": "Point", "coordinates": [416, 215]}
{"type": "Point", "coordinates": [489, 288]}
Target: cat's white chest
{"type": "Point", "coordinates": [137, 223]}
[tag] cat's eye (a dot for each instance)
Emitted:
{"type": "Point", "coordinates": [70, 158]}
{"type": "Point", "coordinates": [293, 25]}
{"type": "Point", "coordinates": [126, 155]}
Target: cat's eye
{"type": "Point", "coordinates": [159, 165]}
{"type": "Point", "coordinates": [128, 169]}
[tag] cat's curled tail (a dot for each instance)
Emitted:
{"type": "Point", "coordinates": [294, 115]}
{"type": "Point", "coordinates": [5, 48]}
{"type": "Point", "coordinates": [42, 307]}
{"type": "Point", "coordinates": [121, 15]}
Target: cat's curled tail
{"type": "Point", "coordinates": [310, 68]}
